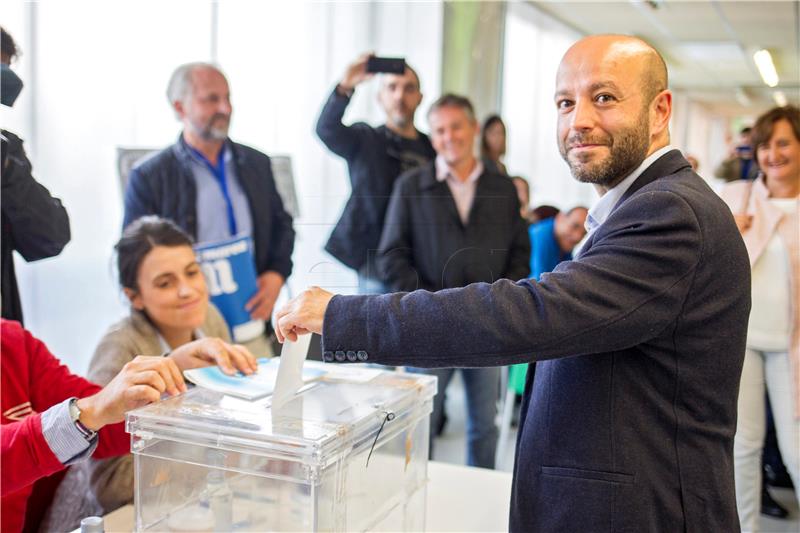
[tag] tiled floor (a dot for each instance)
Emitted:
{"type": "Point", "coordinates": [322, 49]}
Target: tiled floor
{"type": "Point", "coordinates": [451, 448]}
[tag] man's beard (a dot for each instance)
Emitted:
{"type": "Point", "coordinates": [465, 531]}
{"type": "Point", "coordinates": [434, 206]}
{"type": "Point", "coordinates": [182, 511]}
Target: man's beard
{"type": "Point", "coordinates": [215, 130]}
{"type": "Point", "coordinates": [400, 118]}
{"type": "Point", "coordinates": [627, 150]}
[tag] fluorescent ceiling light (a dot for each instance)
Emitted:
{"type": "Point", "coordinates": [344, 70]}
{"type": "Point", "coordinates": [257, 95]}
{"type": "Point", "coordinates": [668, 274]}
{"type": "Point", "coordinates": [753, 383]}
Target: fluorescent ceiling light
{"type": "Point", "coordinates": [780, 98]}
{"type": "Point", "coordinates": [766, 67]}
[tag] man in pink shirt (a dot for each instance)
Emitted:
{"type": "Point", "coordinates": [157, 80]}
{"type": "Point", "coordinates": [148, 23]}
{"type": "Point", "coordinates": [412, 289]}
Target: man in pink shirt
{"type": "Point", "coordinates": [451, 223]}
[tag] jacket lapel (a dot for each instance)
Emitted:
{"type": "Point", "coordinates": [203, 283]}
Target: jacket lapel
{"type": "Point", "coordinates": [441, 191]}
{"type": "Point", "coordinates": [484, 190]}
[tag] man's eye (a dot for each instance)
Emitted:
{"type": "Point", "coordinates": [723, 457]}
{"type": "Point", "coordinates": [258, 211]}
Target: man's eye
{"type": "Point", "coordinates": [564, 104]}
{"type": "Point", "coordinates": [604, 98]}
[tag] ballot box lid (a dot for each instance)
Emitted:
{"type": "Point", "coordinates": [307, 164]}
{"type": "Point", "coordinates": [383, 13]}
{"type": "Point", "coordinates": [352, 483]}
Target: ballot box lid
{"type": "Point", "coordinates": [347, 408]}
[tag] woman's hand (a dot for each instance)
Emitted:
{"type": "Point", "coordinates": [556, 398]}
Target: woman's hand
{"type": "Point", "coordinates": [140, 382]}
{"type": "Point", "coordinates": [213, 351]}
{"type": "Point", "coordinates": [743, 222]}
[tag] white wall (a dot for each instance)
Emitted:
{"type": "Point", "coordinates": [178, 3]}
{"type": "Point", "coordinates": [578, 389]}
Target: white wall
{"type": "Point", "coordinates": [96, 73]}
{"type": "Point", "coordinates": [534, 45]}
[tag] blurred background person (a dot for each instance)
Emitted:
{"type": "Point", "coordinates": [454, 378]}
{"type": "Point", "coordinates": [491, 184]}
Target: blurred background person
{"type": "Point", "coordinates": [493, 144]}
{"type": "Point", "coordinates": [543, 212]}
{"type": "Point", "coordinates": [739, 165]}
{"type": "Point", "coordinates": [375, 157]}
{"type": "Point", "coordinates": [451, 223]}
{"type": "Point", "coordinates": [554, 239]}
{"type": "Point", "coordinates": [34, 223]}
{"type": "Point", "coordinates": [169, 308]}
{"type": "Point", "coordinates": [766, 212]}
{"type": "Point", "coordinates": [524, 195]}
{"type": "Point", "coordinates": [693, 161]}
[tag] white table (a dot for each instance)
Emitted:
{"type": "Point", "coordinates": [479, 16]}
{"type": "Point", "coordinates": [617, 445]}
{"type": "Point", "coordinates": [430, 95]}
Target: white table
{"type": "Point", "coordinates": [460, 498]}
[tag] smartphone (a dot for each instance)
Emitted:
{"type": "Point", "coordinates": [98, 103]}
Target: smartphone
{"type": "Point", "coordinates": [391, 65]}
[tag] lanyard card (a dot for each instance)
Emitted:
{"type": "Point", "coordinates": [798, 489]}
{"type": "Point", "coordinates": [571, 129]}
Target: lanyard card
{"type": "Point", "coordinates": [229, 268]}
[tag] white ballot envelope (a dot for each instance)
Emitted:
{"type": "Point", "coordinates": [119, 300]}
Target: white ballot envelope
{"type": "Point", "coordinates": [290, 371]}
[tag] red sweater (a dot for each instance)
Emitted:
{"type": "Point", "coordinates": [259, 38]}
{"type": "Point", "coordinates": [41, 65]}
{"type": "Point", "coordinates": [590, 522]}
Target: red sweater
{"type": "Point", "coordinates": [31, 381]}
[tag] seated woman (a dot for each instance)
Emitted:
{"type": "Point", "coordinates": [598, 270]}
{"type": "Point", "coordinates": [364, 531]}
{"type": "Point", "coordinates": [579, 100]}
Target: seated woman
{"type": "Point", "coordinates": [161, 278]}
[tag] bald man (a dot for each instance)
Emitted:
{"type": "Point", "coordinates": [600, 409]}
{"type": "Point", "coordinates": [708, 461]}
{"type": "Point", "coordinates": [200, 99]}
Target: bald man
{"type": "Point", "coordinates": [628, 419]}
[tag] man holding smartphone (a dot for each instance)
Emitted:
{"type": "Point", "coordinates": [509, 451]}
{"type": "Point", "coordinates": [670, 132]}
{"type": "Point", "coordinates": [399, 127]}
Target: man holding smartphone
{"type": "Point", "coordinates": [375, 158]}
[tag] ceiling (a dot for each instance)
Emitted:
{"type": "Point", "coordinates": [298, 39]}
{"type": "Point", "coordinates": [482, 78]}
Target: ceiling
{"type": "Point", "coordinates": [708, 45]}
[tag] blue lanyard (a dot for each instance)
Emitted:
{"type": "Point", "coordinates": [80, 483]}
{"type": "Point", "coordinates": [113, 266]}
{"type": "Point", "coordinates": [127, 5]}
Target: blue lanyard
{"type": "Point", "coordinates": [218, 172]}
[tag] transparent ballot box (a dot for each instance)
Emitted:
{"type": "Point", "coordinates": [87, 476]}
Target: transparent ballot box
{"type": "Point", "coordinates": [349, 452]}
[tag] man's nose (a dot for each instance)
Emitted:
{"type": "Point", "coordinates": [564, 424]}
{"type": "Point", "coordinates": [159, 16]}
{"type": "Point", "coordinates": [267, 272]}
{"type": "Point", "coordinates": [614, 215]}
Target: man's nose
{"type": "Point", "coordinates": [584, 115]}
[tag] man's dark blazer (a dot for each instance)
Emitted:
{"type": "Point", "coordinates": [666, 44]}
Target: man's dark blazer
{"type": "Point", "coordinates": [163, 185]}
{"type": "Point", "coordinates": [628, 419]}
{"type": "Point", "coordinates": [425, 245]}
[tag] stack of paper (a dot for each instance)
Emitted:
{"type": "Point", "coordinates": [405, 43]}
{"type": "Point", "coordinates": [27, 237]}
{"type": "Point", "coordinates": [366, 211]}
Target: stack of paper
{"type": "Point", "coordinates": [254, 386]}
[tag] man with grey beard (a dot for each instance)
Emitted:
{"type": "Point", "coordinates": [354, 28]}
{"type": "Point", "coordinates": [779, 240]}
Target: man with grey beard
{"type": "Point", "coordinates": [629, 413]}
{"type": "Point", "coordinates": [213, 188]}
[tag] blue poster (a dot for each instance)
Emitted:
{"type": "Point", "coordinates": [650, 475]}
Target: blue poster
{"type": "Point", "coordinates": [229, 268]}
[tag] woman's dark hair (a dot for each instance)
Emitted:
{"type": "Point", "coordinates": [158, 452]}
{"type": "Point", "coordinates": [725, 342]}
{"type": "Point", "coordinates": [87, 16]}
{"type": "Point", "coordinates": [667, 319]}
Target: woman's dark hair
{"type": "Point", "coordinates": [138, 238]}
{"type": "Point", "coordinates": [765, 125]}
{"type": "Point", "coordinates": [490, 121]}
{"type": "Point", "coordinates": [8, 48]}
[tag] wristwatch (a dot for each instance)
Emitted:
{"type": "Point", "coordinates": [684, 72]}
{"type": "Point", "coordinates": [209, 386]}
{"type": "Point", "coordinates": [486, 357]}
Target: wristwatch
{"type": "Point", "coordinates": [75, 415]}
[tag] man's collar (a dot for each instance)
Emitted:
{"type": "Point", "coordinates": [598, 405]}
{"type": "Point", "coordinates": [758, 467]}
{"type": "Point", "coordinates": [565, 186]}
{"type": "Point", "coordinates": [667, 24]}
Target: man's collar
{"type": "Point", "coordinates": [605, 205]}
{"type": "Point", "coordinates": [443, 170]}
{"type": "Point", "coordinates": [194, 154]}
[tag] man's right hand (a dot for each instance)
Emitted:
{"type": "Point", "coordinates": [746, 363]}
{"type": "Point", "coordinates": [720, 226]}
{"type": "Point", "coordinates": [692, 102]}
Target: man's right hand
{"type": "Point", "coordinates": [302, 314]}
{"type": "Point", "coordinates": [356, 73]}
{"type": "Point", "coordinates": [140, 382]}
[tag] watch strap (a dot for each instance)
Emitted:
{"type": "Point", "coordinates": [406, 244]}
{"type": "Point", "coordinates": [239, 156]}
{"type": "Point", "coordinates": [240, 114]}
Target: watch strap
{"type": "Point", "coordinates": [75, 413]}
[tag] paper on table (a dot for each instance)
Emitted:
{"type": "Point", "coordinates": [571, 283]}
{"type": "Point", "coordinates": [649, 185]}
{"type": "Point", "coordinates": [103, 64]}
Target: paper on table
{"type": "Point", "coordinates": [290, 371]}
{"type": "Point", "coordinates": [250, 387]}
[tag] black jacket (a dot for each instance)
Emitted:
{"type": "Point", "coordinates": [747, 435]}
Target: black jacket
{"type": "Point", "coordinates": [374, 164]}
{"type": "Point", "coordinates": [34, 223]}
{"type": "Point", "coordinates": [628, 419]}
{"type": "Point", "coordinates": [426, 246]}
{"type": "Point", "coordinates": [163, 185]}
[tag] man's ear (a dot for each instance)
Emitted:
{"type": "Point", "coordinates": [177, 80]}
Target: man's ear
{"type": "Point", "coordinates": [179, 109]}
{"type": "Point", "coordinates": [661, 111]}
{"type": "Point", "coordinates": [135, 298]}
